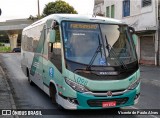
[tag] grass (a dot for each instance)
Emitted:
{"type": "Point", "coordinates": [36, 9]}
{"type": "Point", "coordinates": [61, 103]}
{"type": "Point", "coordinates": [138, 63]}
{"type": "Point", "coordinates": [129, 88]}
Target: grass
{"type": "Point", "coordinates": [5, 49]}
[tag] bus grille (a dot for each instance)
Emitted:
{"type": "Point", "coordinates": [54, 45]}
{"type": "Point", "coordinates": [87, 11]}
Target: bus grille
{"type": "Point", "coordinates": [98, 103]}
{"type": "Point", "coordinates": [93, 76]}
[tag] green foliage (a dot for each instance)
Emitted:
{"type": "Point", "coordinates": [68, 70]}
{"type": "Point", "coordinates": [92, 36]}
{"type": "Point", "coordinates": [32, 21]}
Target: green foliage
{"type": "Point", "coordinates": [57, 36]}
{"type": "Point", "coordinates": [5, 49]}
{"type": "Point", "coordinates": [1, 44]}
{"type": "Point", "coordinates": [58, 6]}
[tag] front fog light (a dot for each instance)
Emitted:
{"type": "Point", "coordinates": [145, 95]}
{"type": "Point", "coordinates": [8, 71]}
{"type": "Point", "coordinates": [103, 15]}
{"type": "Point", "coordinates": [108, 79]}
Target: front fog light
{"type": "Point", "coordinates": [137, 95]}
{"type": "Point", "coordinates": [76, 86]}
{"type": "Point", "coordinates": [73, 100]}
{"type": "Point", "coordinates": [134, 85]}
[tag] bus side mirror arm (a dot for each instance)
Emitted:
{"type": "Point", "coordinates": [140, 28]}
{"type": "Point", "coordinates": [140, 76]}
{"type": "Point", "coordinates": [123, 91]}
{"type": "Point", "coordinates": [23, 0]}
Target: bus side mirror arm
{"type": "Point", "coordinates": [51, 47]}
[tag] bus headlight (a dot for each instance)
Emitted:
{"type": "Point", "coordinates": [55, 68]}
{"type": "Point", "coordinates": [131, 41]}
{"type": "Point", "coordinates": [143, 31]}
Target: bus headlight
{"type": "Point", "coordinates": [76, 86]}
{"type": "Point", "coordinates": [134, 85]}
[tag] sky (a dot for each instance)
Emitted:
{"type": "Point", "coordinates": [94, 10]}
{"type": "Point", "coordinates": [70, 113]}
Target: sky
{"type": "Point", "coordinates": [17, 9]}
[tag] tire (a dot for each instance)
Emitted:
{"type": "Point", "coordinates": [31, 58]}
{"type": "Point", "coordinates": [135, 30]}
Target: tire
{"type": "Point", "coordinates": [53, 93]}
{"type": "Point", "coordinates": [53, 96]}
{"type": "Point", "coordinates": [29, 80]}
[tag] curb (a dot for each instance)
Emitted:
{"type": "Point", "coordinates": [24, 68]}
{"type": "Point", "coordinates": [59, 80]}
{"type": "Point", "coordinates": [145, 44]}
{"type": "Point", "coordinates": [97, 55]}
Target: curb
{"type": "Point", "coordinates": [13, 105]}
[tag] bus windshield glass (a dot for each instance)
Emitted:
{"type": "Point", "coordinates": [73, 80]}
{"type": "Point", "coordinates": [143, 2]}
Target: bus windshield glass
{"type": "Point", "coordinates": [98, 44]}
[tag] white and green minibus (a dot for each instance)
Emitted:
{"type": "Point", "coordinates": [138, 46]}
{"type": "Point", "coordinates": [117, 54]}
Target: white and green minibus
{"type": "Point", "coordinates": [82, 62]}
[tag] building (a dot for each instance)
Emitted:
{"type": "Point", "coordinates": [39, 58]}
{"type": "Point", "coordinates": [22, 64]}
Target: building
{"type": "Point", "coordinates": [99, 7]}
{"type": "Point", "coordinates": [143, 16]}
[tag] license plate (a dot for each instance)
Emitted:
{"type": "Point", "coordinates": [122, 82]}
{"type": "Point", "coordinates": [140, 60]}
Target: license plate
{"type": "Point", "coordinates": [109, 104]}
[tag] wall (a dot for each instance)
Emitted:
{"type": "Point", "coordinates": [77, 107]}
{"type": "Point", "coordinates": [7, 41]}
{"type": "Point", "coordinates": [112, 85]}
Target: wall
{"type": "Point", "coordinates": [99, 8]}
{"type": "Point", "coordinates": [141, 18]}
{"type": "Point", "coordinates": [118, 7]}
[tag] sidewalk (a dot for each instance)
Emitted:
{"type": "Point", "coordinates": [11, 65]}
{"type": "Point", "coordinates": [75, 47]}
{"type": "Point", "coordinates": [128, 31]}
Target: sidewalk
{"type": "Point", "coordinates": [6, 99]}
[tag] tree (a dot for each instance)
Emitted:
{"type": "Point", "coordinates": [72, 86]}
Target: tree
{"type": "Point", "coordinates": [33, 18]}
{"type": "Point", "coordinates": [58, 6]}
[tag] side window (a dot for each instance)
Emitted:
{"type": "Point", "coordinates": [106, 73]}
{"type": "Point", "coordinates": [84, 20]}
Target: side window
{"type": "Point", "coordinates": [126, 8]}
{"type": "Point", "coordinates": [45, 45]}
{"type": "Point", "coordinates": [146, 3]}
{"type": "Point", "coordinates": [107, 12]}
{"type": "Point", "coordinates": [55, 53]}
{"type": "Point", "coordinates": [112, 11]}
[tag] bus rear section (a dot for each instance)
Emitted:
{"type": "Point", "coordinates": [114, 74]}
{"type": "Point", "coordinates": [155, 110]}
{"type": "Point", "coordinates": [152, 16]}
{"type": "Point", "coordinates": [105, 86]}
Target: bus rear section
{"type": "Point", "coordinates": [86, 64]}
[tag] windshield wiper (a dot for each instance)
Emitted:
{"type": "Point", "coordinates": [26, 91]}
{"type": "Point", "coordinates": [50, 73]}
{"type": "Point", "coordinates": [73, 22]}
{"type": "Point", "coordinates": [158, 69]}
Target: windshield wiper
{"type": "Point", "coordinates": [113, 53]}
{"type": "Point", "coordinates": [99, 49]}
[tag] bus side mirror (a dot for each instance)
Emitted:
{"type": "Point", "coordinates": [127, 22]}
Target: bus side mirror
{"type": "Point", "coordinates": [54, 25]}
{"type": "Point", "coordinates": [131, 30]}
{"type": "Point", "coordinates": [134, 36]}
{"type": "Point", "coordinates": [52, 36]}
{"type": "Point", "coordinates": [135, 39]}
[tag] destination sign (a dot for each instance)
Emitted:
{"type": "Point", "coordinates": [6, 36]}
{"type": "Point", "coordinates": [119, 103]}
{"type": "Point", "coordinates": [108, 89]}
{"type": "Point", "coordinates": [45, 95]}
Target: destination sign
{"type": "Point", "coordinates": [83, 26]}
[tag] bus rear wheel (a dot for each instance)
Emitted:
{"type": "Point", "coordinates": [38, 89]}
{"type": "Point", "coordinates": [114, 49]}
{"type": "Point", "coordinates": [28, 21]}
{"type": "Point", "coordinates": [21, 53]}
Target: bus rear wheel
{"type": "Point", "coordinates": [29, 80]}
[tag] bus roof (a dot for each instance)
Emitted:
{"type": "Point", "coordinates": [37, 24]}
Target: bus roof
{"type": "Point", "coordinates": [75, 17]}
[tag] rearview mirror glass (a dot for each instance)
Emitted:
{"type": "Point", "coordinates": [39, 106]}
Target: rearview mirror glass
{"type": "Point", "coordinates": [135, 39]}
{"type": "Point", "coordinates": [52, 36]}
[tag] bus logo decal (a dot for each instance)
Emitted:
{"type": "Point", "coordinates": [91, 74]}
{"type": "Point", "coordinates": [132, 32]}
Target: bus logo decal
{"type": "Point", "coordinates": [36, 64]}
{"type": "Point", "coordinates": [109, 94]}
{"type": "Point", "coordinates": [102, 61]}
{"type": "Point", "coordinates": [51, 72]}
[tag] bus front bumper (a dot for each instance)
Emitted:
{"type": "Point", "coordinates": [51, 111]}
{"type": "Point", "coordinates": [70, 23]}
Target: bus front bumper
{"type": "Point", "coordinates": [84, 101]}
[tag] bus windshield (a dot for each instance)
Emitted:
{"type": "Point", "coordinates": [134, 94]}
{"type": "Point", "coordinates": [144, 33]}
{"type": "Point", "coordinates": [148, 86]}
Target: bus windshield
{"type": "Point", "coordinates": [98, 44]}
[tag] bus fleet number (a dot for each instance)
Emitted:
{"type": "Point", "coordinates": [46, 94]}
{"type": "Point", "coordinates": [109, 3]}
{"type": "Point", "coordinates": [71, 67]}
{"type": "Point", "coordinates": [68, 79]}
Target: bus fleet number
{"type": "Point", "coordinates": [81, 81]}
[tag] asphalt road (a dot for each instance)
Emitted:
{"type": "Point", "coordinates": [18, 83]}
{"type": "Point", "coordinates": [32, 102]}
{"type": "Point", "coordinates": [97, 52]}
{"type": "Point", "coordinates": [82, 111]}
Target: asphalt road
{"type": "Point", "coordinates": [31, 97]}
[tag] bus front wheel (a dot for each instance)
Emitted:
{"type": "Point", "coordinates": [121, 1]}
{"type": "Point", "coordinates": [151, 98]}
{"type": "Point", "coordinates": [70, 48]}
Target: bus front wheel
{"type": "Point", "coordinates": [53, 96]}
{"type": "Point", "coordinates": [53, 93]}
